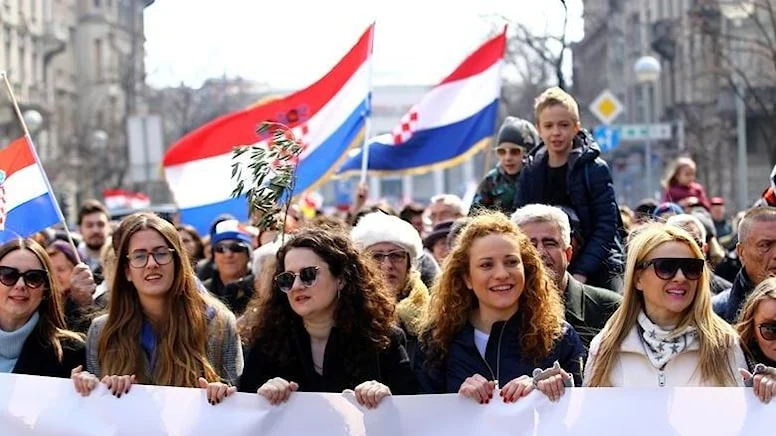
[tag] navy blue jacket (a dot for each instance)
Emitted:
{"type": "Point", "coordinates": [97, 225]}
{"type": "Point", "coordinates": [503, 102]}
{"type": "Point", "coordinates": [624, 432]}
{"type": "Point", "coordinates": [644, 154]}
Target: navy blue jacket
{"type": "Point", "coordinates": [591, 190]}
{"type": "Point", "coordinates": [505, 360]}
{"type": "Point", "coordinates": [727, 303]}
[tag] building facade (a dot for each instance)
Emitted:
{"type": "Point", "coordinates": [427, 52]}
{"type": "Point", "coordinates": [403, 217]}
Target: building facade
{"type": "Point", "coordinates": [77, 70]}
{"type": "Point", "coordinates": [694, 91]}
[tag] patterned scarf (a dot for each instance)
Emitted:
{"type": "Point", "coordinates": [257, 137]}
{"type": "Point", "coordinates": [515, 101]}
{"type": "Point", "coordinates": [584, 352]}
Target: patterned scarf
{"type": "Point", "coordinates": [661, 345]}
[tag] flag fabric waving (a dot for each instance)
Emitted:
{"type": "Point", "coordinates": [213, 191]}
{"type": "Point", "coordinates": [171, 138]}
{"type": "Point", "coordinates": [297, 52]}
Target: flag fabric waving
{"type": "Point", "coordinates": [329, 117]}
{"type": "Point", "coordinates": [451, 123]}
{"type": "Point", "coordinates": [26, 204]}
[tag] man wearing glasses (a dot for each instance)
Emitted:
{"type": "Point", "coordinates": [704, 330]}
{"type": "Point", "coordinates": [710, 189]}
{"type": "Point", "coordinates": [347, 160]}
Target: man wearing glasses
{"type": "Point", "coordinates": [498, 190]}
{"type": "Point", "coordinates": [232, 280]}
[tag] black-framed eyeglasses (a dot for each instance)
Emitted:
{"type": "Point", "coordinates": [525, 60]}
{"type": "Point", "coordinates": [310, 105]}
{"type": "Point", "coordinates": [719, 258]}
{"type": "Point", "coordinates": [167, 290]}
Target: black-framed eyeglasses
{"type": "Point", "coordinates": [768, 331]}
{"type": "Point", "coordinates": [393, 257]}
{"type": "Point", "coordinates": [33, 278]}
{"type": "Point", "coordinates": [307, 276]}
{"type": "Point", "coordinates": [223, 247]}
{"type": "Point", "coordinates": [667, 267]}
{"type": "Point", "coordinates": [512, 151]}
{"type": "Point", "coordinates": [139, 259]}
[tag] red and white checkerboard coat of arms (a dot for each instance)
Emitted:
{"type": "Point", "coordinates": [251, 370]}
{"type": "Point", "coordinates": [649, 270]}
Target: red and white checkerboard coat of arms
{"type": "Point", "coordinates": [301, 133]}
{"type": "Point", "coordinates": [406, 128]}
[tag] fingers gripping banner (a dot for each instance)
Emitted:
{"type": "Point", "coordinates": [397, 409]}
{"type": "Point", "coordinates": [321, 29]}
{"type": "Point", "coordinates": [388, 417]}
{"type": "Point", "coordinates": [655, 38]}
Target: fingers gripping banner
{"type": "Point", "coordinates": [46, 406]}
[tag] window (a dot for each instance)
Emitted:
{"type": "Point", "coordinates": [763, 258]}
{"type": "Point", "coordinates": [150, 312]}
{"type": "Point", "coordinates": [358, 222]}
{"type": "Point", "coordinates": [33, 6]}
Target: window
{"type": "Point", "coordinates": [98, 58]}
{"type": "Point", "coordinates": [97, 3]}
{"type": "Point", "coordinates": [7, 38]}
{"type": "Point", "coordinates": [21, 60]}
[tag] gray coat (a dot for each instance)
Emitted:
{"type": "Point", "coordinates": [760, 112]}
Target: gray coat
{"type": "Point", "coordinates": [224, 350]}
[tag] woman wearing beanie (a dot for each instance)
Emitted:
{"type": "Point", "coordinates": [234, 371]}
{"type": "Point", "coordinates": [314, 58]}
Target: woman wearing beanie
{"type": "Point", "coordinates": [395, 246]}
{"type": "Point", "coordinates": [498, 190]}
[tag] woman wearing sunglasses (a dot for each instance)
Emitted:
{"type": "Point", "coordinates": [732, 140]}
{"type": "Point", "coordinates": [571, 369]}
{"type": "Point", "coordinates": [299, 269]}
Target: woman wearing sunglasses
{"type": "Point", "coordinates": [757, 327]}
{"type": "Point", "coordinates": [494, 317]}
{"type": "Point", "coordinates": [160, 329]}
{"type": "Point", "coordinates": [326, 326]}
{"type": "Point", "coordinates": [665, 332]}
{"type": "Point", "coordinates": [33, 336]}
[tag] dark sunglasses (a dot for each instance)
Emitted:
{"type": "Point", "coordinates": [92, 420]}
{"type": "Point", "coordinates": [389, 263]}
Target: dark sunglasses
{"type": "Point", "coordinates": [33, 278]}
{"type": "Point", "coordinates": [667, 267]}
{"type": "Point", "coordinates": [139, 259]}
{"type": "Point", "coordinates": [307, 275]}
{"type": "Point", "coordinates": [768, 331]}
{"type": "Point", "coordinates": [230, 247]}
{"type": "Point", "coordinates": [393, 257]}
{"type": "Point", "coordinates": [511, 151]}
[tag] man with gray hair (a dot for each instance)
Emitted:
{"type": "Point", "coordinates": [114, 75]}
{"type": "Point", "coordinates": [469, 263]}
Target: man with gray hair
{"type": "Point", "coordinates": [693, 225]}
{"type": "Point", "coordinates": [587, 307]}
{"type": "Point", "coordinates": [445, 207]}
{"type": "Point", "coordinates": [757, 250]}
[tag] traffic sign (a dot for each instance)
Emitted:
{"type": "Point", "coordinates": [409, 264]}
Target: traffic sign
{"type": "Point", "coordinates": [607, 137]}
{"type": "Point", "coordinates": [642, 132]}
{"type": "Point", "coordinates": [606, 107]}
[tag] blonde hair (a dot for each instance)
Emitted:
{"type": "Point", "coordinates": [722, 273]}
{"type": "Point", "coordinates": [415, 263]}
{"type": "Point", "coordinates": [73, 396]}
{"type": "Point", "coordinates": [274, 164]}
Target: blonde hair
{"type": "Point", "coordinates": [556, 97]}
{"type": "Point", "coordinates": [715, 336]}
{"type": "Point", "coordinates": [673, 170]}
{"type": "Point", "coordinates": [745, 326]}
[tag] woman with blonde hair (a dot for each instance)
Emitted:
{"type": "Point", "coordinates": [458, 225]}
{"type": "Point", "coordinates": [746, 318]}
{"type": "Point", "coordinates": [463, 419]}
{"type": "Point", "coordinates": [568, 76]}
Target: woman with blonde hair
{"type": "Point", "coordinates": [494, 317]}
{"type": "Point", "coordinates": [159, 329]}
{"type": "Point", "coordinates": [757, 328]}
{"type": "Point", "coordinates": [665, 332]}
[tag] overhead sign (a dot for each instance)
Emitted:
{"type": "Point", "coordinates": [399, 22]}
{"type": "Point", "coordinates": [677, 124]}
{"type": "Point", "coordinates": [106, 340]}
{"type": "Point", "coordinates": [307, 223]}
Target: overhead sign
{"type": "Point", "coordinates": [642, 132]}
{"type": "Point", "coordinates": [608, 137]}
{"type": "Point", "coordinates": [607, 107]}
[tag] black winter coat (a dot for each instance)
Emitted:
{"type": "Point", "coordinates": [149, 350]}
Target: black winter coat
{"type": "Point", "coordinates": [504, 361]}
{"type": "Point", "coordinates": [591, 190]}
{"type": "Point", "coordinates": [390, 366]}
{"type": "Point", "coordinates": [38, 357]}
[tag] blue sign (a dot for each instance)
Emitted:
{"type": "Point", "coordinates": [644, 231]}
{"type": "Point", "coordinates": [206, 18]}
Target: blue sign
{"type": "Point", "coordinates": [608, 137]}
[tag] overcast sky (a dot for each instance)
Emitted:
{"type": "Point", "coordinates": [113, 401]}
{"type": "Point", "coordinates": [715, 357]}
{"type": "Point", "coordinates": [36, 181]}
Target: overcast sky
{"type": "Point", "coordinates": [416, 41]}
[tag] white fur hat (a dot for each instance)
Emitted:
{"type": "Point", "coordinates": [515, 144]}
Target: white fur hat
{"type": "Point", "coordinates": [378, 227]}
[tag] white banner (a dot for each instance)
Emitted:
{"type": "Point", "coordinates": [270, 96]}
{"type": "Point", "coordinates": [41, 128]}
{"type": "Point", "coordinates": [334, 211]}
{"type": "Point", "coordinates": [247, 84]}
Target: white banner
{"type": "Point", "coordinates": [47, 406]}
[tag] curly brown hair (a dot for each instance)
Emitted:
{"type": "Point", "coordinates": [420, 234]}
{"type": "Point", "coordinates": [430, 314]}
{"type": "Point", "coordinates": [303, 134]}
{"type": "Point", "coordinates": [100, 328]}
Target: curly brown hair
{"type": "Point", "coordinates": [364, 313]}
{"type": "Point", "coordinates": [540, 311]}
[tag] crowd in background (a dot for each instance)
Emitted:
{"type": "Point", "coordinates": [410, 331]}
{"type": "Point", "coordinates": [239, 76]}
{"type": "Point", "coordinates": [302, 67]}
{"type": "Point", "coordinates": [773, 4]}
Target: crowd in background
{"type": "Point", "coordinates": [543, 283]}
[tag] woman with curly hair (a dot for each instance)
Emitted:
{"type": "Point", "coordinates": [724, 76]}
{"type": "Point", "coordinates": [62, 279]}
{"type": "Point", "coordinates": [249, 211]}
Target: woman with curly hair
{"type": "Point", "coordinates": [495, 316]}
{"type": "Point", "coordinates": [160, 329]}
{"type": "Point", "coordinates": [757, 329]}
{"type": "Point", "coordinates": [665, 333]}
{"type": "Point", "coordinates": [326, 326]}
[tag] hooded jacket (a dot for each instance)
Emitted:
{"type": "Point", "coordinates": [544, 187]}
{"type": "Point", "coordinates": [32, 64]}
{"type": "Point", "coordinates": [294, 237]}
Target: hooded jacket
{"type": "Point", "coordinates": [591, 190]}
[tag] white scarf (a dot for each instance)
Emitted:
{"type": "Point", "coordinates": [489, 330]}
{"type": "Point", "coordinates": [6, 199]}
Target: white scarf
{"type": "Point", "coordinates": [661, 345]}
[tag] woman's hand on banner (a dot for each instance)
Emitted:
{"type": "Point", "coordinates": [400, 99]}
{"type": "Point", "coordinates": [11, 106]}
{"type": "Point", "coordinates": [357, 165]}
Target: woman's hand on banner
{"type": "Point", "coordinates": [763, 382]}
{"type": "Point", "coordinates": [516, 389]}
{"type": "Point", "coordinates": [277, 390]}
{"type": "Point", "coordinates": [83, 381]}
{"type": "Point", "coordinates": [216, 391]}
{"type": "Point", "coordinates": [119, 384]}
{"type": "Point", "coordinates": [370, 393]}
{"type": "Point", "coordinates": [553, 381]}
{"type": "Point", "coordinates": [478, 388]}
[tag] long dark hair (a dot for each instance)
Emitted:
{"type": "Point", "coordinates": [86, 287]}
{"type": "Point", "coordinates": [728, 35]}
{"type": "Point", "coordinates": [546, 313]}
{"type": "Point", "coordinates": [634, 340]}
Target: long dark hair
{"type": "Point", "coordinates": [51, 310]}
{"type": "Point", "coordinates": [364, 314]}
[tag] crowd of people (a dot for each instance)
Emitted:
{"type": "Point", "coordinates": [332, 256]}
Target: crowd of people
{"type": "Point", "coordinates": [544, 283]}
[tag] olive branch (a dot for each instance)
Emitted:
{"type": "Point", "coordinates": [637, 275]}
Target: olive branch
{"type": "Point", "coordinates": [271, 171]}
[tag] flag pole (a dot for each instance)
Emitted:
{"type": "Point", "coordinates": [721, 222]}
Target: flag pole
{"type": "Point", "coordinates": [368, 124]}
{"type": "Point", "coordinates": [34, 152]}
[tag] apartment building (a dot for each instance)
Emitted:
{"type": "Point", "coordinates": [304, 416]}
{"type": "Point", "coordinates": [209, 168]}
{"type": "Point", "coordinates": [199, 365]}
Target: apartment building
{"type": "Point", "coordinates": [77, 70]}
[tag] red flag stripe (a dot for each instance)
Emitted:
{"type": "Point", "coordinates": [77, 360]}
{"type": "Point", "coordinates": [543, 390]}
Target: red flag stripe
{"type": "Point", "coordinates": [482, 59]}
{"type": "Point", "coordinates": [16, 157]}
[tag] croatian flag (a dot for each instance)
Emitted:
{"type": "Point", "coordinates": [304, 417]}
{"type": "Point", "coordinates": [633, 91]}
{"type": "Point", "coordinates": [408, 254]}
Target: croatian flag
{"type": "Point", "coordinates": [26, 203]}
{"type": "Point", "coordinates": [328, 117]}
{"type": "Point", "coordinates": [121, 199]}
{"type": "Point", "coordinates": [452, 122]}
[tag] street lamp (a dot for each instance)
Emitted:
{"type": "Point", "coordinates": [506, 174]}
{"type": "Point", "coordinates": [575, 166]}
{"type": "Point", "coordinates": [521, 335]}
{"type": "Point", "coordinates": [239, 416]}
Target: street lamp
{"type": "Point", "coordinates": [647, 70]}
{"type": "Point", "coordinates": [33, 119]}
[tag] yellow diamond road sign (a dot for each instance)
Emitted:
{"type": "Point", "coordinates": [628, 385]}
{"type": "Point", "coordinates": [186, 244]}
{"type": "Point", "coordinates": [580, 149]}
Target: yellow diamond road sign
{"type": "Point", "coordinates": [606, 107]}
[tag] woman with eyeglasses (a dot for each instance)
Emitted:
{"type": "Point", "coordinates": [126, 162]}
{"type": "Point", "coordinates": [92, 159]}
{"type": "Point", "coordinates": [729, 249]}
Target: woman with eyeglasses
{"type": "Point", "coordinates": [326, 326]}
{"type": "Point", "coordinates": [159, 329]}
{"type": "Point", "coordinates": [757, 328]}
{"type": "Point", "coordinates": [495, 317]}
{"type": "Point", "coordinates": [665, 332]}
{"type": "Point", "coordinates": [33, 336]}
{"type": "Point", "coordinates": [395, 246]}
